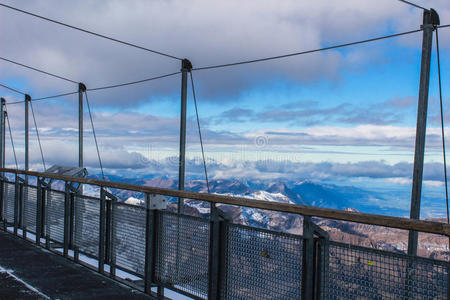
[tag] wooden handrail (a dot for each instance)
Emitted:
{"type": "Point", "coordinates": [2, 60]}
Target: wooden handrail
{"type": "Point", "coordinates": [342, 215]}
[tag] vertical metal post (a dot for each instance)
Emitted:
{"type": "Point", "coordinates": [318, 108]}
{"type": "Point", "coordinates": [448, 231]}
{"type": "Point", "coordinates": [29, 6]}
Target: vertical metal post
{"type": "Point", "coordinates": [186, 67]}
{"type": "Point", "coordinates": [108, 231]}
{"type": "Point", "coordinates": [72, 221]}
{"type": "Point", "coordinates": [16, 204]}
{"type": "Point", "coordinates": [2, 151]}
{"type": "Point", "coordinates": [2, 140]}
{"type": "Point", "coordinates": [214, 257]}
{"type": "Point", "coordinates": [101, 247]}
{"type": "Point", "coordinates": [66, 220]}
{"type": "Point", "coordinates": [79, 212]}
{"type": "Point", "coordinates": [24, 188]}
{"type": "Point", "coordinates": [430, 18]}
{"type": "Point", "coordinates": [27, 135]}
{"type": "Point", "coordinates": [308, 259]}
{"type": "Point", "coordinates": [112, 263]}
{"type": "Point", "coordinates": [149, 250]}
{"type": "Point", "coordinates": [46, 203]}
{"type": "Point", "coordinates": [217, 260]}
{"type": "Point", "coordinates": [22, 211]}
{"type": "Point", "coordinates": [39, 212]}
{"type": "Point", "coordinates": [322, 264]}
{"type": "Point", "coordinates": [155, 244]}
{"type": "Point", "coordinates": [81, 90]}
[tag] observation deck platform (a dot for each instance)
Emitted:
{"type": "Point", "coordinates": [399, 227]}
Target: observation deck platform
{"type": "Point", "coordinates": [30, 272]}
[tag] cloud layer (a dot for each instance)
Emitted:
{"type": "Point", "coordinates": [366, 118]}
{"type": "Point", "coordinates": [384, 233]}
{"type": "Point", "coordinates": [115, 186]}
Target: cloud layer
{"type": "Point", "coordinates": [206, 32]}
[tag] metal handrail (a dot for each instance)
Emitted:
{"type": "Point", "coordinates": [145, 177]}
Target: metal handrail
{"type": "Point", "coordinates": [349, 216]}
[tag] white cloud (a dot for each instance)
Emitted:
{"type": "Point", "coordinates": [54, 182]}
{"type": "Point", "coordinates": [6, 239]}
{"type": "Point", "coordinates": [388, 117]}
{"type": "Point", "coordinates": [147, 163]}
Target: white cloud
{"type": "Point", "coordinates": [207, 32]}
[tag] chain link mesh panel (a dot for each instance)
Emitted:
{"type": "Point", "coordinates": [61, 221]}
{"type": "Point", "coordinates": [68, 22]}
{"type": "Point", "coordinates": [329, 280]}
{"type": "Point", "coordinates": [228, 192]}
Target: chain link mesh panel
{"type": "Point", "coordinates": [352, 272]}
{"type": "Point", "coordinates": [55, 215]}
{"type": "Point", "coordinates": [30, 207]}
{"type": "Point", "coordinates": [87, 224]}
{"type": "Point", "coordinates": [9, 194]}
{"type": "Point", "coordinates": [261, 264]}
{"type": "Point", "coordinates": [129, 223]}
{"type": "Point", "coordinates": [183, 252]}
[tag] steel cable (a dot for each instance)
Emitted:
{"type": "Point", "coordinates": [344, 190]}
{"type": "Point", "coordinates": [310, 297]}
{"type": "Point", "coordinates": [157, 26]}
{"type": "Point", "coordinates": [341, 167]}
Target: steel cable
{"type": "Point", "coordinates": [89, 32]}
{"type": "Point", "coordinates": [37, 134]}
{"type": "Point", "coordinates": [11, 137]}
{"type": "Point", "coordinates": [442, 122]}
{"type": "Point", "coordinates": [442, 127]}
{"type": "Point", "coordinates": [307, 52]}
{"type": "Point", "coordinates": [12, 89]}
{"type": "Point", "coordinates": [95, 136]}
{"type": "Point", "coordinates": [95, 89]}
{"type": "Point", "coordinates": [199, 132]}
{"type": "Point", "coordinates": [38, 70]}
{"type": "Point", "coordinates": [413, 4]}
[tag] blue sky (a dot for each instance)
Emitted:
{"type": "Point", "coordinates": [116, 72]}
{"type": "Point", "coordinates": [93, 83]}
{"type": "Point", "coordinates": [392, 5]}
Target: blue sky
{"type": "Point", "coordinates": [344, 115]}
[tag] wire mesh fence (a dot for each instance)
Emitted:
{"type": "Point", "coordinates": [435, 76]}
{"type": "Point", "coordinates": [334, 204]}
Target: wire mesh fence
{"type": "Point", "coordinates": [353, 272]}
{"type": "Point", "coordinates": [253, 263]}
{"type": "Point", "coordinates": [55, 208]}
{"type": "Point", "coordinates": [261, 264]}
{"type": "Point", "coordinates": [9, 194]}
{"type": "Point", "coordinates": [86, 225]}
{"type": "Point", "coordinates": [129, 224]}
{"type": "Point", "coordinates": [183, 253]}
{"type": "Point", "coordinates": [30, 207]}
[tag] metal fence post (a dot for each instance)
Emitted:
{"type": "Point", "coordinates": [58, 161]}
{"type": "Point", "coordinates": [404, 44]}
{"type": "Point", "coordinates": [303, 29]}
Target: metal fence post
{"type": "Point", "coordinates": [186, 67]}
{"type": "Point", "coordinates": [47, 199]}
{"type": "Point", "coordinates": [2, 124]}
{"type": "Point", "coordinates": [430, 19]}
{"type": "Point", "coordinates": [2, 150]}
{"type": "Point", "coordinates": [81, 90]}
{"type": "Point", "coordinates": [112, 265]}
{"type": "Point", "coordinates": [5, 206]}
{"type": "Point", "coordinates": [308, 259]}
{"type": "Point", "coordinates": [22, 223]}
{"type": "Point", "coordinates": [222, 279]}
{"type": "Point", "coordinates": [16, 205]}
{"type": "Point", "coordinates": [38, 211]}
{"type": "Point", "coordinates": [71, 221]}
{"type": "Point", "coordinates": [155, 242]}
{"type": "Point", "coordinates": [2, 187]}
{"type": "Point", "coordinates": [321, 266]}
{"type": "Point", "coordinates": [101, 247]}
{"type": "Point", "coordinates": [66, 219]}
{"type": "Point", "coordinates": [77, 224]}
{"type": "Point", "coordinates": [108, 231]}
{"type": "Point", "coordinates": [149, 256]}
{"type": "Point", "coordinates": [217, 259]}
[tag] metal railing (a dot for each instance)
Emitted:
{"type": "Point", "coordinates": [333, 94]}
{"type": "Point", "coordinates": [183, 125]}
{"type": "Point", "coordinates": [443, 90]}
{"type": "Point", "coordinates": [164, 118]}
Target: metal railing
{"type": "Point", "coordinates": [212, 258]}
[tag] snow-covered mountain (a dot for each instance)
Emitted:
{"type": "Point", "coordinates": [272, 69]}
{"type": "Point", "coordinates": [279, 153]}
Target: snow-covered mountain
{"type": "Point", "coordinates": [302, 193]}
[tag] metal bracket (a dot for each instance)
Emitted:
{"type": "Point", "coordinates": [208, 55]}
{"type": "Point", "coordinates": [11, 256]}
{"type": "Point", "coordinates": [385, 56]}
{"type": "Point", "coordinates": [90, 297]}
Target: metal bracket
{"type": "Point", "coordinates": [81, 87]}
{"type": "Point", "coordinates": [157, 202]}
{"type": "Point", "coordinates": [434, 17]}
{"type": "Point", "coordinates": [317, 230]}
{"type": "Point", "coordinates": [223, 215]}
{"type": "Point", "coordinates": [109, 195]}
{"type": "Point", "coordinates": [430, 19]}
{"type": "Point", "coordinates": [20, 179]}
{"type": "Point", "coordinates": [186, 65]}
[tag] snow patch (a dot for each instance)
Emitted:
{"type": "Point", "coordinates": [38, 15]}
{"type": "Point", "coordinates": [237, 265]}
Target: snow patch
{"type": "Point", "coordinates": [31, 288]}
{"type": "Point", "coordinates": [135, 201]}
